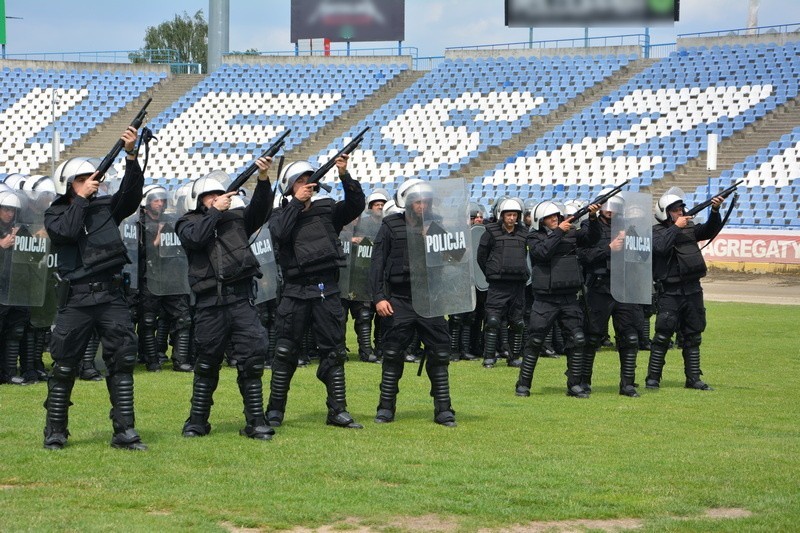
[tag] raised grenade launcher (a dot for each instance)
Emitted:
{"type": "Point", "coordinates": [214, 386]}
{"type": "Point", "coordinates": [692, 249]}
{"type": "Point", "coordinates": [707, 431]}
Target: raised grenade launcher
{"type": "Point", "coordinates": [603, 198]}
{"type": "Point", "coordinates": [324, 169]}
{"type": "Point", "coordinates": [109, 159]}
{"type": "Point", "coordinates": [249, 171]}
{"type": "Point", "coordinates": [727, 192]}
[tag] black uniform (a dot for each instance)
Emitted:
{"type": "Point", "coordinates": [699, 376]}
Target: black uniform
{"type": "Point", "coordinates": [678, 266]}
{"type": "Point", "coordinates": [390, 279]}
{"type": "Point", "coordinates": [556, 282]}
{"type": "Point", "coordinates": [85, 235]}
{"type": "Point", "coordinates": [627, 318]}
{"type": "Point", "coordinates": [310, 255]}
{"type": "Point", "coordinates": [221, 271]}
{"type": "Point", "coordinates": [174, 308]}
{"type": "Point", "coordinates": [502, 258]}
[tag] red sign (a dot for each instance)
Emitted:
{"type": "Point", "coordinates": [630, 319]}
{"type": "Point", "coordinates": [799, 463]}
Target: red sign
{"type": "Point", "coordinates": [755, 246]}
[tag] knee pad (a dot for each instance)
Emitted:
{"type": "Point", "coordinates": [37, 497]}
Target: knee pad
{"type": "Point", "coordinates": [661, 339]}
{"type": "Point", "coordinates": [364, 314]}
{"type": "Point", "coordinates": [595, 342]}
{"type": "Point", "coordinates": [456, 319]}
{"type": "Point", "coordinates": [693, 340]}
{"type": "Point", "coordinates": [628, 340]}
{"type": "Point", "coordinates": [492, 322]}
{"type": "Point", "coordinates": [206, 369]}
{"type": "Point", "coordinates": [17, 332]}
{"type": "Point", "coordinates": [392, 353]}
{"type": "Point", "coordinates": [337, 357]}
{"type": "Point", "coordinates": [518, 326]}
{"type": "Point", "coordinates": [578, 339]}
{"type": "Point", "coordinates": [149, 320]}
{"type": "Point", "coordinates": [183, 322]}
{"type": "Point", "coordinates": [438, 358]}
{"type": "Point", "coordinates": [123, 361]}
{"type": "Point", "coordinates": [63, 372]}
{"type": "Point", "coordinates": [252, 367]}
{"type": "Point", "coordinates": [284, 351]}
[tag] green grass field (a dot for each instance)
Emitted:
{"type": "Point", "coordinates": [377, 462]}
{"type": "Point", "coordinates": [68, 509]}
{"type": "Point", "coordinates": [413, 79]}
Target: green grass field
{"type": "Point", "coordinates": [661, 462]}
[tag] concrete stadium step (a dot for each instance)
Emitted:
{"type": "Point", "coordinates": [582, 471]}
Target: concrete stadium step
{"type": "Point", "coordinates": [99, 141]}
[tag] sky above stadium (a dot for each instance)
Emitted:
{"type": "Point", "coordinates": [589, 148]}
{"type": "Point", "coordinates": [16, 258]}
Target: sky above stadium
{"type": "Point", "coordinates": [431, 25]}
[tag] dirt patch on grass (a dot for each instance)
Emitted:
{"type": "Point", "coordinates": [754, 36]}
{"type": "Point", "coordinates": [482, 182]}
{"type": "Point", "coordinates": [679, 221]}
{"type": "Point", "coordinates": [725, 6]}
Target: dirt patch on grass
{"type": "Point", "coordinates": [728, 513]}
{"type": "Point", "coordinates": [569, 526]}
{"type": "Point", "coordinates": [233, 528]}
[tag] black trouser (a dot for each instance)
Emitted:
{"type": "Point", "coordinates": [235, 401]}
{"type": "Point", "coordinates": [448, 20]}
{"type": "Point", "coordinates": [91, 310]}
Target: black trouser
{"type": "Point", "coordinates": [627, 320]}
{"type": "Point", "coordinates": [72, 330]}
{"type": "Point", "coordinates": [433, 333]}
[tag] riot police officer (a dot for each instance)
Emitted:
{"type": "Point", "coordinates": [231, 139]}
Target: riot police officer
{"type": "Point", "coordinates": [678, 266]}
{"type": "Point", "coordinates": [163, 287]}
{"type": "Point", "coordinates": [601, 305]}
{"type": "Point", "coordinates": [502, 258]}
{"type": "Point", "coordinates": [552, 248]}
{"type": "Point", "coordinates": [221, 271]}
{"type": "Point", "coordinates": [306, 235]}
{"type": "Point", "coordinates": [390, 278]}
{"type": "Point", "coordinates": [83, 229]}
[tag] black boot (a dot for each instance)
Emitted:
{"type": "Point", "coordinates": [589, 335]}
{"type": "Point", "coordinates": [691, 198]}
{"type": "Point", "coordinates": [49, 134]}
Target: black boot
{"type": "Point", "coordinates": [465, 336]}
{"type": "Point", "coordinates": [658, 354]}
{"type": "Point", "coordinates": [87, 370]}
{"type": "Point", "coordinates": [575, 356]}
{"type": "Point", "coordinates": [331, 373]}
{"type": "Point", "coordinates": [691, 361]}
{"type": "Point", "coordinates": [627, 372]}
{"type": "Point", "coordinates": [59, 390]}
{"type": "Point", "coordinates": [253, 399]}
{"type": "Point", "coordinates": [206, 378]}
{"type": "Point", "coordinates": [363, 329]}
{"type": "Point", "coordinates": [443, 412]}
{"type": "Point", "coordinates": [490, 338]}
{"type": "Point", "coordinates": [391, 372]}
{"type": "Point", "coordinates": [180, 352]}
{"type": "Point", "coordinates": [120, 392]}
{"type": "Point", "coordinates": [530, 355]}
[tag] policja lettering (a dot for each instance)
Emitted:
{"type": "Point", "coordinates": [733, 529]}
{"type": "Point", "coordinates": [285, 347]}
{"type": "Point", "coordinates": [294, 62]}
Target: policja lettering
{"type": "Point", "coordinates": [129, 231]}
{"type": "Point", "coordinates": [169, 238]}
{"type": "Point", "coordinates": [445, 242]}
{"type": "Point", "coordinates": [30, 244]}
{"type": "Point", "coordinates": [637, 244]}
{"type": "Point", "coordinates": [365, 251]}
{"type": "Point", "coordinates": [261, 247]}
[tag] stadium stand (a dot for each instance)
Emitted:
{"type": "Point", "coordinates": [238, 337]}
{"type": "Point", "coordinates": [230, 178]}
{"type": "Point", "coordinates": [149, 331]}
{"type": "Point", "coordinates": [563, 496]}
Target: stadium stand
{"type": "Point", "coordinates": [79, 100]}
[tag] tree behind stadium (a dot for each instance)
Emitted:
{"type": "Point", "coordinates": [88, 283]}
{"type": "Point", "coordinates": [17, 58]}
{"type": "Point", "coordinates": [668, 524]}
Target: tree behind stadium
{"type": "Point", "coordinates": [188, 35]}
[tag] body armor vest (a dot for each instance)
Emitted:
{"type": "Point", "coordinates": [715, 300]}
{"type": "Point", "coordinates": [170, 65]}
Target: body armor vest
{"type": "Point", "coordinates": [397, 266]}
{"type": "Point", "coordinates": [99, 252]}
{"type": "Point", "coordinates": [686, 262]}
{"type": "Point", "coordinates": [562, 274]}
{"type": "Point", "coordinates": [506, 261]}
{"type": "Point", "coordinates": [227, 259]}
{"type": "Point", "coordinates": [315, 245]}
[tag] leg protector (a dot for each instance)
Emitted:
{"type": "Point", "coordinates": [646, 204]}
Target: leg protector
{"type": "Point", "coordinates": [503, 344]}
{"type": "Point", "coordinates": [691, 363]}
{"type": "Point", "coordinates": [250, 387]}
{"type": "Point", "coordinates": [27, 357]}
{"type": "Point", "coordinates": [120, 388]}
{"type": "Point", "coordinates": [466, 341]}
{"type": "Point", "coordinates": [147, 340]}
{"type": "Point", "coordinates": [180, 351]}
{"type": "Point", "coordinates": [547, 349]}
{"type": "Point", "coordinates": [627, 371]}
{"type": "Point", "coordinates": [283, 368]}
{"type": "Point", "coordinates": [454, 327]}
{"type": "Point", "coordinates": [363, 327]}
{"type": "Point", "coordinates": [41, 340]}
{"type": "Point", "coordinates": [391, 372]}
{"type": "Point", "coordinates": [162, 336]}
{"type": "Point", "coordinates": [575, 358]}
{"type": "Point", "coordinates": [12, 353]}
{"type": "Point", "coordinates": [530, 355]}
{"type": "Point", "coordinates": [491, 332]}
{"type": "Point", "coordinates": [206, 378]}
{"type": "Point", "coordinates": [658, 354]}
{"type": "Point", "coordinates": [593, 343]}
{"type": "Point", "coordinates": [516, 337]}
{"type": "Point", "coordinates": [59, 390]}
{"type": "Point", "coordinates": [443, 412]}
{"type": "Point", "coordinates": [87, 370]}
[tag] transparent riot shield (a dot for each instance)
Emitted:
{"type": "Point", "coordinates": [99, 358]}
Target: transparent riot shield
{"type": "Point", "coordinates": [476, 232]}
{"type": "Point", "coordinates": [360, 258]}
{"type": "Point", "coordinates": [43, 316]}
{"type": "Point", "coordinates": [167, 267]}
{"type": "Point", "coordinates": [632, 259]}
{"type": "Point", "coordinates": [267, 285]}
{"type": "Point", "coordinates": [346, 237]}
{"type": "Point", "coordinates": [129, 230]}
{"type": "Point", "coordinates": [440, 248]}
{"type": "Point", "coordinates": [24, 247]}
